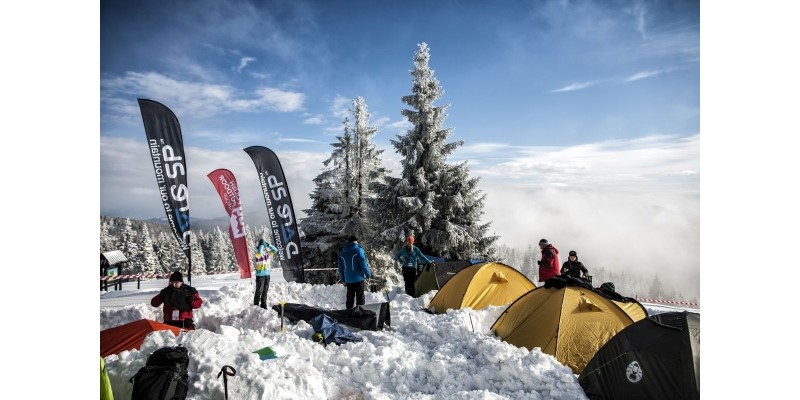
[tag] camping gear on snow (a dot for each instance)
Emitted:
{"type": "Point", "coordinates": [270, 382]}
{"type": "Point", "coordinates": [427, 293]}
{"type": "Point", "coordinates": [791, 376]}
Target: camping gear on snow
{"type": "Point", "coordinates": [655, 358]}
{"type": "Point", "coordinates": [570, 322]}
{"type": "Point", "coordinates": [434, 276]}
{"type": "Point", "coordinates": [266, 353]}
{"type": "Point", "coordinates": [165, 376]}
{"type": "Point", "coordinates": [226, 371]}
{"type": "Point", "coordinates": [130, 336]}
{"type": "Point", "coordinates": [331, 331]}
{"type": "Point", "coordinates": [374, 316]}
{"type": "Point", "coordinates": [479, 286]}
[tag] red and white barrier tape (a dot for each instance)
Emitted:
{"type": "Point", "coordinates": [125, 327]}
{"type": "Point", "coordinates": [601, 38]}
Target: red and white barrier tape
{"type": "Point", "coordinates": [685, 303]}
{"type": "Point", "coordinates": [147, 276]}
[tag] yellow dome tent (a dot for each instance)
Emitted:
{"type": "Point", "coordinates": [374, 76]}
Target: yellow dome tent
{"type": "Point", "coordinates": [570, 323]}
{"type": "Point", "coordinates": [479, 286]}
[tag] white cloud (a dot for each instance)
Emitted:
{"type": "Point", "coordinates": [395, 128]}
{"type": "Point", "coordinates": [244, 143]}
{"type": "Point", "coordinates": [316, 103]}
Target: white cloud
{"type": "Point", "coordinates": [314, 120]}
{"type": "Point", "coordinates": [243, 63]}
{"type": "Point", "coordinates": [643, 75]}
{"type": "Point", "coordinates": [574, 86]}
{"type": "Point", "coordinates": [340, 107]}
{"type": "Point", "coordinates": [199, 99]}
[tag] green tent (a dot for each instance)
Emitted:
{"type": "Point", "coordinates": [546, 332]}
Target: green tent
{"type": "Point", "coordinates": [434, 276]}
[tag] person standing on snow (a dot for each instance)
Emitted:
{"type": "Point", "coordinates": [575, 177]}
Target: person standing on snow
{"type": "Point", "coordinates": [408, 256]}
{"type": "Point", "coordinates": [548, 265]}
{"type": "Point", "coordinates": [179, 300]}
{"type": "Point", "coordinates": [263, 269]}
{"type": "Point", "coordinates": [353, 269]}
{"type": "Point", "coordinates": [573, 267]}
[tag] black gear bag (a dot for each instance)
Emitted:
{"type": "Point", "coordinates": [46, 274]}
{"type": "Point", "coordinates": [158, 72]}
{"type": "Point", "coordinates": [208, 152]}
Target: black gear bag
{"type": "Point", "coordinates": [164, 377]}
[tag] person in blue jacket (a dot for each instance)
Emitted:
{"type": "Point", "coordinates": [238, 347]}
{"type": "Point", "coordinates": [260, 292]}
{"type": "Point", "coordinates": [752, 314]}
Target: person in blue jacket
{"type": "Point", "coordinates": [409, 257]}
{"type": "Point", "coordinates": [353, 269]}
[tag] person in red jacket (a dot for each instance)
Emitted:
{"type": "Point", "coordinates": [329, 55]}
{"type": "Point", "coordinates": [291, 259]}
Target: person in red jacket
{"type": "Point", "coordinates": [179, 300]}
{"type": "Point", "coordinates": [548, 265]}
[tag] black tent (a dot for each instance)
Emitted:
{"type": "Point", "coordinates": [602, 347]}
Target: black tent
{"type": "Point", "coordinates": [375, 317]}
{"type": "Point", "coordinates": [655, 358]}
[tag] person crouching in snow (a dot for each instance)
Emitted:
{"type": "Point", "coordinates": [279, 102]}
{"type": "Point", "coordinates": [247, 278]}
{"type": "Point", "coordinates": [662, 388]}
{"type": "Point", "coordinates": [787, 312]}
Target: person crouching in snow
{"type": "Point", "coordinates": [353, 269]}
{"type": "Point", "coordinates": [263, 270]}
{"type": "Point", "coordinates": [179, 300]}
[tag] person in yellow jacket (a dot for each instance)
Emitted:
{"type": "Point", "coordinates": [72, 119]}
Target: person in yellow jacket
{"type": "Point", "coordinates": [105, 383]}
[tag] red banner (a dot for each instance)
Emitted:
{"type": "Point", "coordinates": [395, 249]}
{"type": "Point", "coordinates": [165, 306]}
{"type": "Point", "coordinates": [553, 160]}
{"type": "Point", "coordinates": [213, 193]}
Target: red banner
{"type": "Point", "coordinates": [228, 191]}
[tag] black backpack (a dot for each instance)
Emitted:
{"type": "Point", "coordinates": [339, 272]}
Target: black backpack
{"type": "Point", "coordinates": [164, 377]}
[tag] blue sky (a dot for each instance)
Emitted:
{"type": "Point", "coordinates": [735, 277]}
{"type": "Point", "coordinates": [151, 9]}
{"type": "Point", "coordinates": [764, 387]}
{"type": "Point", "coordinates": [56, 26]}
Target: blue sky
{"type": "Point", "coordinates": [581, 118]}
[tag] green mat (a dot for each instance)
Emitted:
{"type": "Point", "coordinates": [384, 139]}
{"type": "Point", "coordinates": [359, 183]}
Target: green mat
{"type": "Point", "coordinates": [266, 353]}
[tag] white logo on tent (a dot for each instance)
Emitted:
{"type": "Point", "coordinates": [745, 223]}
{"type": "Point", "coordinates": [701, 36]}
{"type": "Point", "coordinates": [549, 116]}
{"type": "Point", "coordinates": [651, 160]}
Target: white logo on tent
{"type": "Point", "coordinates": [634, 372]}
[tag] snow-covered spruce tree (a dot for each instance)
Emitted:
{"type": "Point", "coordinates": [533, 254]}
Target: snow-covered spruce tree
{"type": "Point", "coordinates": [130, 246]}
{"type": "Point", "coordinates": [435, 201]}
{"type": "Point", "coordinates": [322, 228]}
{"type": "Point", "coordinates": [367, 169]}
{"type": "Point", "coordinates": [146, 258]}
{"type": "Point", "coordinates": [341, 202]}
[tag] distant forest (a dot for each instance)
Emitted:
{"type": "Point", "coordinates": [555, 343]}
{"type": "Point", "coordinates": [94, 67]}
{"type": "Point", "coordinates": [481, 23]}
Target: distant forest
{"type": "Point", "coordinates": [151, 248]}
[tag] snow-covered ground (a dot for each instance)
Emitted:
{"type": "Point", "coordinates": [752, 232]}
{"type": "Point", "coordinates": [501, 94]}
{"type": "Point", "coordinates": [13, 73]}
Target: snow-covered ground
{"type": "Point", "coordinates": [421, 356]}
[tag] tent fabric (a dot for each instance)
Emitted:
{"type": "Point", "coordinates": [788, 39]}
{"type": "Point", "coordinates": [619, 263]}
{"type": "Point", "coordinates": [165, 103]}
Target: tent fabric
{"type": "Point", "coordinates": [331, 331]}
{"type": "Point", "coordinates": [130, 336]}
{"type": "Point", "coordinates": [570, 323]}
{"type": "Point", "coordinates": [631, 306]}
{"type": "Point", "coordinates": [479, 286]}
{"type": "Point", "coordinates": [376, 315]}
{"type": "Point", "coordinates": [655, 358]}
{"type": "Point", "coordinates": [433, 277]}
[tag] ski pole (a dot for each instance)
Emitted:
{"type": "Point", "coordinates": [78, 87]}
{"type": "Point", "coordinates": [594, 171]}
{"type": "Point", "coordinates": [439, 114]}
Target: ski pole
{"type": "Point", "coordinates": [282, 304]}
{"type": "Point", "coordinates": [228, 371]}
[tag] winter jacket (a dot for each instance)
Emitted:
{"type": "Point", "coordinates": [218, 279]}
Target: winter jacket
{"type": "Point", "coordinates": [409, 258]}
{"type": "Point", "coordinates": [548, 265]}
{"type": "Point", "coordinates": [574, 268]}
{"type": "Point", "coordinates": [353, 265]}
{"type": "Point", "coordinates": [178, 302]}
{"type": "Point", "coordinates": [262, 264]}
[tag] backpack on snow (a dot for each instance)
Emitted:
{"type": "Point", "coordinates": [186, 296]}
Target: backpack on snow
{"type": "Point", "coordinates": [164, 377]}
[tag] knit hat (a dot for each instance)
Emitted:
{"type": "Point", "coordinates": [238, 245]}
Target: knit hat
{"type": "Point", "coordinates": [176, 276]}
{"type": "Point", "coordinates": [608, 286]}
{"type": "Point", "coordinates": [573, 253]}
{"type": "Point", "coordinates": [352, 238]}
{"type": "Point", "coordinates": [410, 239]}
{"type": "Point", "coordinates": [543, 242]}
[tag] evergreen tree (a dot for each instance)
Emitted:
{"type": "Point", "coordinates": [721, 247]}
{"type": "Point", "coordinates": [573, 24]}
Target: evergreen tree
{"type": "Point", "coordinates": [146, 258]}
{"type": "Point", "coordinates": [198, 257]}
{"type": "Point", "coordinates": [343, 201]}
{"type": "Point", "coordinates": [365, 168]}
{"type": "Point", "coordinates": [322, 228]}
{"type": "Point", "coordinates": [435, 201]}
{"type": "Point", "coordinates": [130, 247]}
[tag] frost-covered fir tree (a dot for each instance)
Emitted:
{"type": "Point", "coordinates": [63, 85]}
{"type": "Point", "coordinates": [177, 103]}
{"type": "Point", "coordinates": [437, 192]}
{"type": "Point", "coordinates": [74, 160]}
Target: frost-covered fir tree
{"type": "Point", "coordinates": [435, 201]}
{"type": "Point", "coordinates": [342, 200]}
{"type": "Point", "coordinates": [366, 169]}
{"type": "Point", "coordinates": [130, 246]}
{"type": "Point", "coordinates": [146, 258]}
{"type": "Point", "coordinates": [322, 228]}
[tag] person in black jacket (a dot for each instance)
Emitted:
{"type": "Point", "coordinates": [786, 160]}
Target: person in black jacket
{"type": "Point", "coordinates": [179, 299]}
{"type": "Point", "coordinates": [573, 267]}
